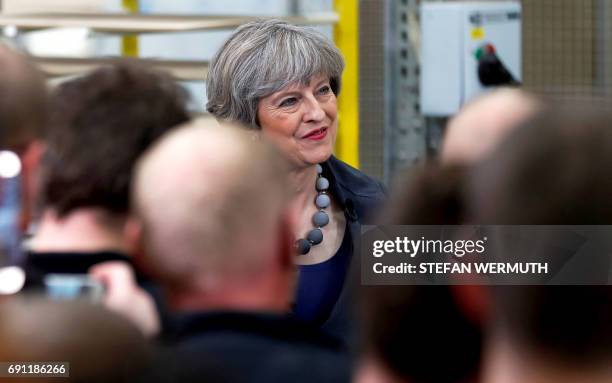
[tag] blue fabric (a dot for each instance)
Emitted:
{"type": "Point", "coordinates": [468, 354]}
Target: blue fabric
{"type": "Point", "coordinates": [320, 285]}
{"type": "Point", "coordinates": [358, 195]}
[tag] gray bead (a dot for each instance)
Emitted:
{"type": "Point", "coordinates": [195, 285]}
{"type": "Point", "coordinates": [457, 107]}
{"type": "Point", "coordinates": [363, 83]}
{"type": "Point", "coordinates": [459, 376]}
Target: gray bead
{"type": "Point", "coordinates": [319, 169]}
{"type": "Point", "coordinates": [322, 201]}
{"type": "Point", "coordinates": [322, 183]}
{"type": "Point", "coordinates": [320, 219]}
{"type": "Point", "coordinates": [302, 246]}
{"type": "Point", "coordinates": [315, 236]}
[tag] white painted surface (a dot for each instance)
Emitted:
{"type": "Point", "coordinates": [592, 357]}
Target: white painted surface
{"type": "Point", "coordinates": [449, 76]}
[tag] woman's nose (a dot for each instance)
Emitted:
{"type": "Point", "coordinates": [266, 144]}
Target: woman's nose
{"type": "Point", "coordinates": [314, 112]}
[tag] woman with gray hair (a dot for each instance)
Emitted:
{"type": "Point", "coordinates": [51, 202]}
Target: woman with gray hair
{"type": "Point", "coordinates": [283, 80]}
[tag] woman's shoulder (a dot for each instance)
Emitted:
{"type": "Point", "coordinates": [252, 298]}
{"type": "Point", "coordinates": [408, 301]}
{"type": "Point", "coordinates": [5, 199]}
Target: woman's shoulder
{"type": "Point", "coordinates": [354, 182]}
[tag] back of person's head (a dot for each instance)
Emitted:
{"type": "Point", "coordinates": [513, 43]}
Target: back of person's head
{"type": "Point", "coordinates": [431, 194]}
{"type": "Point", "coordinates": [485, 122]}
{"type": "Point", "coordinates": [23, 101]}
{"type": "Point", "coordinates": [100, 124]}
{"type": "Point", "coordinates": [554, 170]}
{"type": "Point", "coordinates": [212, 201]}
{"type": "Point", "coordinates": [417, 334]}
{"type": "Point", "coordinates": [564, 327]}
{"type": "Point", "coordinates": [23, 118]}
{"type": "Point", "coordinates": [410, 331]}
{"type": "Point", "coordinates": [99, 345]}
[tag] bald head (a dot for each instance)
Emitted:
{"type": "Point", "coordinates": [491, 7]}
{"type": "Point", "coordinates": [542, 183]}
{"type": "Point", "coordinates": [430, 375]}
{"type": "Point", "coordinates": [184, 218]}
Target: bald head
{"type": "Point", "coordinates": [483, 123]}
{"type": "Point", "coordinates": [211, 199]}
{"type": "Point", "coordinates": [23, 100]}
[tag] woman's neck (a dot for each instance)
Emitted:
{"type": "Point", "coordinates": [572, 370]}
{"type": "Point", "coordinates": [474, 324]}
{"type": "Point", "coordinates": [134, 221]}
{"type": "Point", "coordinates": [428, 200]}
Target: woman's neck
{"type": "Point", "coordinates": [303, 183]}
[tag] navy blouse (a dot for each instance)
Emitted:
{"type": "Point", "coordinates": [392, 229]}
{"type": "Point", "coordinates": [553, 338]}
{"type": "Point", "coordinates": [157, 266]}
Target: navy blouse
{"type": "Point", "coordinates": [325, 291]}
{"type": "Point", "coordinates": [320, 284]}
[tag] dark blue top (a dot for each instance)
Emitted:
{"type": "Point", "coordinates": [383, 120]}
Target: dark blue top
{"type": "Point", "coordinates": [321, 284]}
{"type": "Point", "coordinates": [325, 292]}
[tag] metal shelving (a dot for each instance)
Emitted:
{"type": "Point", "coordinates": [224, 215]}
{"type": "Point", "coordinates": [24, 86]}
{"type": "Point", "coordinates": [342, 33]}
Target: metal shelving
{"type": "Point", "coordinates": [63, 66]}
{"type": "Point", "coordinates": [136, 24]}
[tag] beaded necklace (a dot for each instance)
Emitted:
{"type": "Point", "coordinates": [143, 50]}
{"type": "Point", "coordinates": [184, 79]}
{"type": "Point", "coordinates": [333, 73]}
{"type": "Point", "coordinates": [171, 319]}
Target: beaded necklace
{"type": "Point", "coordinates": [319, 219]}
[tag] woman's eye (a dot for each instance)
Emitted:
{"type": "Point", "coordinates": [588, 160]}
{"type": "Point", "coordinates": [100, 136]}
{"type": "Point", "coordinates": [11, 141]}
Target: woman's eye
{"type": "Point", "coordinates": [324, 89]}
{"type": "Point", "coordinates": [288, 102]}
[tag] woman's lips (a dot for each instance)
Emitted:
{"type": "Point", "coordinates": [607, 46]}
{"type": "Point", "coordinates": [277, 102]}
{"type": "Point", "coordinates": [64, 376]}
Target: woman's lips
{"type": "Point", "coordinates": [317, 135]}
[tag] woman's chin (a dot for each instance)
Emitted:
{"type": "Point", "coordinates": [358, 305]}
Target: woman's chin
{"type": "Point", "coordinates": [310, 159]}
{"type": "Point", "coordinates": [318, 157]}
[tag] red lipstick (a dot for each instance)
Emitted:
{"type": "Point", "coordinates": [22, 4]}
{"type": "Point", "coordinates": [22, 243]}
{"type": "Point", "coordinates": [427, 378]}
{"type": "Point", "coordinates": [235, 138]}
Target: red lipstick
{"type": "Point", "coordinates": [317, 135]}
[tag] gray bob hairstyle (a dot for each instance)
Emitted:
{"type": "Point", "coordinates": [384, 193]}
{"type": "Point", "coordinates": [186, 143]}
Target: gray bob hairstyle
{"type": "Point", "coordinates": [263, 57]}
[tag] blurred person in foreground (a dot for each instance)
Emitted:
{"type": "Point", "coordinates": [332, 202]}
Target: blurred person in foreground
{"type": "Point", "coordinates": [555, 170]}
{"type": "Point", "coordinates": [228, 271]}
{"type": "Point", "coordinates": [422, 333]}
{"type": "Point", "coordinates": [99, 345]}
{"type": "Point", "coordinates": [552, 170]}
{"type": "Point", "coordinates": [23, 118]}
{"type": "Point", "coordinates": [283, 80]}
{"type": "Point", "coordinates": [485, 122]}
{"type": "Point", "coordinates": [439, 323]}
{"type": "Point", "coordinates": [100, 124]}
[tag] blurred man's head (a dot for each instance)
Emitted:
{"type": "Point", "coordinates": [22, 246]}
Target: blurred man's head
{"type": "Point", "coordinates": [560, 333]}
{"type": "Point", "coordinates": [484, 123]}
{"type": "Point", "coordinates": [23, 101]}
{"type": "Point", "coordinates": [420, 333]}
{"type": "Point", "coordinates": [100, 124]}
{"type": "Point", "coordinates": [552, 170]}
{"type": "Point", "coordinates": [99, 345]}
{"type": "Point", "coordinates": [23, 118]}
{"type": "Point", "coordinates": [417, 334]}
{"type": "Point", "coordinates": [555, 170]}
{"type": "Point", "coordinates": [212, 201]}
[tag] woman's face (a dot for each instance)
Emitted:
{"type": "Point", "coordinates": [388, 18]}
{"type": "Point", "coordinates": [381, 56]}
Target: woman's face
{"type": "Point", "coordinates": [301, 120]}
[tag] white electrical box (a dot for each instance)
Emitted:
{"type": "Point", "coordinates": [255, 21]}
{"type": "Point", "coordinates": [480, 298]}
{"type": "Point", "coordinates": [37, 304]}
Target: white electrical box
{"type": "Point", "coordinates": [451, 36]}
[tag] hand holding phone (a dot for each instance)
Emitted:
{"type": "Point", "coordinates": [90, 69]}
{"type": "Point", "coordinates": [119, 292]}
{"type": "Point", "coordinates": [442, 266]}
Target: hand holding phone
{"type": "Point", "coordinates": [124, 296]}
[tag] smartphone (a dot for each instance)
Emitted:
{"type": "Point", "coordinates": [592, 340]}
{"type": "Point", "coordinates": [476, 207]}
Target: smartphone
{"type": "Point", "coordinates": [73, 287]}
{"type": "Point", "coordinates": [10, 236]}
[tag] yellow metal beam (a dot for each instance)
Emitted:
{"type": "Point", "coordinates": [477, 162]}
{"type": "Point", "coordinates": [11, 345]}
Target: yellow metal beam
{"type": "Point", "coordinates": [346, 36]}
{"type": "Point", "coordinates": [129, 43]}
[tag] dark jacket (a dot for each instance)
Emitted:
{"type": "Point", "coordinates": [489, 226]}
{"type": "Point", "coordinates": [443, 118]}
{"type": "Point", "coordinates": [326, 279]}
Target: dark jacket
{"type": "Point", "coordinates": [250, 347]}
{"type": "Point", "coordinates": [359, 195]}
